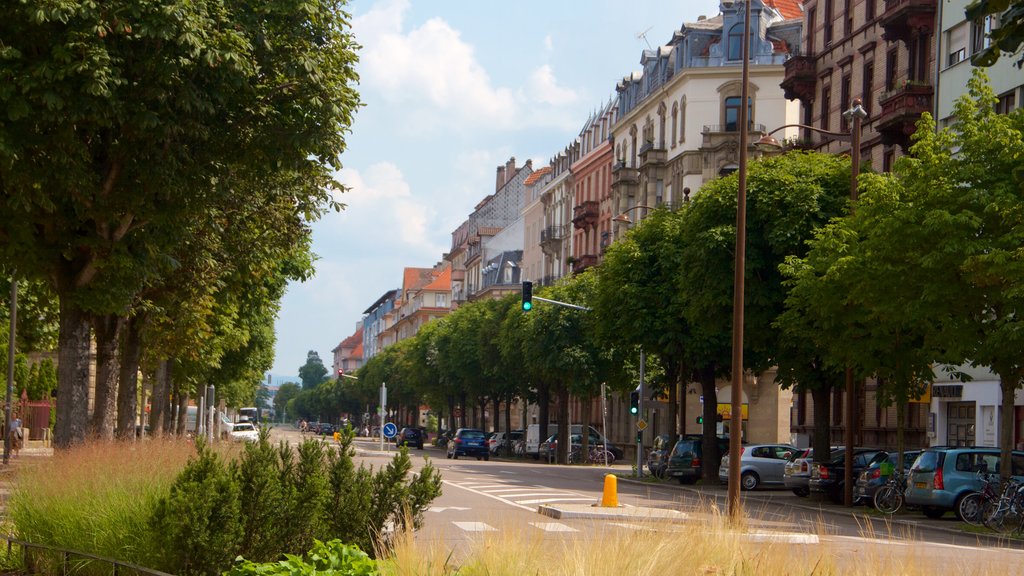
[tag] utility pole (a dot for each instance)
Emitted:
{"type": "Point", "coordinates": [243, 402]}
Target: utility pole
{"type": "Point", "coordinates": [10, 366]}
{"type": "Point", "coordinates": [639, 418]}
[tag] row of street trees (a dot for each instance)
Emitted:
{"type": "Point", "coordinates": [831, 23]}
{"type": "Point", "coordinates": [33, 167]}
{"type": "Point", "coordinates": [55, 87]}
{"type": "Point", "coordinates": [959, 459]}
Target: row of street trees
{"type": "Point", "coordinates": [925, 272]}
{"type": "Point", "coordinates": [159, 165]}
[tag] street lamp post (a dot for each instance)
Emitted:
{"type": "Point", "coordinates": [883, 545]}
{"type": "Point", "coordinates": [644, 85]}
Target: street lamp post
{"type": "Point", "coordinates": [624, 218]}
{"type": "Point", "coordinates": [855, 116]}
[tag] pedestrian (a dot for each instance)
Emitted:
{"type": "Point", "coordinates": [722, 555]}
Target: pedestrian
{"type": "Point", "coordinates": [16, 435]}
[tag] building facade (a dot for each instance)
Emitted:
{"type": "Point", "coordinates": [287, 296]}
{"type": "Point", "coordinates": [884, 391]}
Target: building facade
{"type": "Point", "coordinates": [591, 185]}
{"type": "Point", "coordinates": [558, 201]}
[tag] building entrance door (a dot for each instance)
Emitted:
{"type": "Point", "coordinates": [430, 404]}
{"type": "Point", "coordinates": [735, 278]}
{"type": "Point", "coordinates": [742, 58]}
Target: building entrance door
{"type": "Point", "coordinates": [960, 424]}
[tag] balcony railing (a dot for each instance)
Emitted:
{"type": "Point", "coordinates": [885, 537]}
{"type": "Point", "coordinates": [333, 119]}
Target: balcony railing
{"type": "Point", "coordinates": [585, 214]}
{"type": "Point", "coordinates": [798, 82]}
{"type": "Point", "coordinates": [473, 252]}
{"type": "Point", "coordinates": [583, 262]}
{"type": "Point", "coordinates": [901, 109]}
{"type": "Point", "coordinates": [731, 128]}
{"type": "Point", "coordinates": [552, 233]}
{"type": "Point", "coordinates": [905, 19]}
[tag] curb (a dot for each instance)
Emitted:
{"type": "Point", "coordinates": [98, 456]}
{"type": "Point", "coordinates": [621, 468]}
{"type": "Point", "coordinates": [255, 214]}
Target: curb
{"type": "Point", "coordinates": [981, 536]}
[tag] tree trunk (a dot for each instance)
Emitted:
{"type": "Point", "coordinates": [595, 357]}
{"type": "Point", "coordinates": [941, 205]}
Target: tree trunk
{"type": "Point", "coordinates": [72, 376]}
{"type": "Point", "coordinates": [821, 396]}
{"type": "Point", "coordinates": [508, 425]}
{"type": "Point", "coordinates": [588, 403]}
{"type": "Point", "coordinates": [159, 414]}
{"type": "Point", "coordinates": [495, 418]}
{"type": "Point", "coordinates": [1009, 381]}
{"type": "Point", "coordinates": [108, 338]}
{"type": "Point", "coordinates": [128, 381]}
{"type": "Point", "coordinates": [709, 441]}
{"type": "Point", "coordinates": [564, 430]}
{"type": "Point", "coordinates": [672, 382]}
{"type": "Point", "coordinates": [901, 419]}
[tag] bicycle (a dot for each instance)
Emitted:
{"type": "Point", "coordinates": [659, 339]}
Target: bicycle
{"type": "Point", "coordinates": [1006, 513]}
{"type": "Point", "coordinates": [596, 455]}
{"type": "Point", "coordinates": [971, 507]}
{"type": "Point", "coordinates": [889, 498]}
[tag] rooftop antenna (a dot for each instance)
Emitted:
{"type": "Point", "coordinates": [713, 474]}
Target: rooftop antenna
{"type": "Point", "coordinates": [643, 36]}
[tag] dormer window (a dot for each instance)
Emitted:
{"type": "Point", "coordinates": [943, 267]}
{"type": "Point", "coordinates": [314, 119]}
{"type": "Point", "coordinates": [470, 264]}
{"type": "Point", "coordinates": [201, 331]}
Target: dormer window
{"type": "Point", "coordinates": [735, 42]}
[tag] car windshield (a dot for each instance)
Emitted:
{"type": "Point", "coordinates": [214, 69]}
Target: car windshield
{"type": "Point", "coordinates": [684, 446]}
{"type": "Point", "coordinates": [244, 428]}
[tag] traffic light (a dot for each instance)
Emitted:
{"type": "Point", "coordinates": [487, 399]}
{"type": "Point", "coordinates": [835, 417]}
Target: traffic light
{"type": "Point", "coordinates": [341, 372]}
{"type": "Point", "coordinates": [634, 402]}
{"type": "Point", "coordinates": [527, 296]}
{"type": "Point", "coordinates": [700, 419]}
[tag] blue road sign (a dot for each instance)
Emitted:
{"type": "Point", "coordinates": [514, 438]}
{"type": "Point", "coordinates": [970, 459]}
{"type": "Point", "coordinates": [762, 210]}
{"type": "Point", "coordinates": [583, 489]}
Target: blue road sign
{"type": "Point", "coordinates": [390, 430]}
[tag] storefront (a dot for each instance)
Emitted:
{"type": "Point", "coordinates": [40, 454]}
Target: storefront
{"type": "Point", "coordinates": [967, 413]}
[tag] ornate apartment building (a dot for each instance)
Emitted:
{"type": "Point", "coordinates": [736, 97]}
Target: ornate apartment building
{"type": "Point", "coordinates": [678, 118]}
{"type": "Point", "coordinates": [557, 199]}
{"type": "Point", "coordinates": [591, 187]}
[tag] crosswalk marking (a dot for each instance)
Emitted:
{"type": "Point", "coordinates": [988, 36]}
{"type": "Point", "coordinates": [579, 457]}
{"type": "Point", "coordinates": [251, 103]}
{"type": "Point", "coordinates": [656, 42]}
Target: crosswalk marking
{"type": "Point", "coordinates": [553, 527]}
{"type": "Point", "coordinates": [475, 526]}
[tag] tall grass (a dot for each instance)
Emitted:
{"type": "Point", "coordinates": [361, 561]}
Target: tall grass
{"type": "Point", "coordinates": [709, 545]}
{"type": "Point", "coordinates": [96, 498]}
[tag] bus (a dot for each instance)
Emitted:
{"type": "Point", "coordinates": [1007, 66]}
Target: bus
{"type": "Point", "coordinates": [251, 414]}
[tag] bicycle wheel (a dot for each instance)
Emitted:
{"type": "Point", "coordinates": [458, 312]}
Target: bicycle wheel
{"type": "Point", "coordinates": [888, 499]}
{"type": "Point", "coordinates": [602, 457]}
{"type": "Point", "coordinates": [1002, 517]}
{"type": "Point", "coordinates": [970, 509]}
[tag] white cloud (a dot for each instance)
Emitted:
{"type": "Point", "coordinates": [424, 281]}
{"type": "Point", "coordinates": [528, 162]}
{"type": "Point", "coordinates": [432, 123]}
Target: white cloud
{"type": "Point", "coordinates": [543, 87]}
{"type": "Point", "coordinates": [429, 65]}
{"type": "Point", "coordinates": [549, 44]}
{"type": "Point", "coordinates": [383, 196]}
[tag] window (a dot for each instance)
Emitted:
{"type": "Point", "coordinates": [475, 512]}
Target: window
{"type": "Point", "coordinates": [888, 159]}
{"type": "Point", "coordinates": [1007, 103]}
{"type": "Point", "coordinates": [956, 41]}
{"type": "Point", "coordinates": [811, 23]}
{"type": "Point", "coordinates": [826, 105]}
{"type": "Point", "coordinates": [917, 58]}
{"type": "Point", "coordinates": [847, 18]}
{"type": "Point", "coordinates": [732, 113]}
{"type": "Point", "coordinates": [869, 10]}
{"type": "Point", "coordinates": [736, 42]}
{"type": "Point", "coordinates": [675, 116]}
{"type": "Point", "coordinates": [682, 120]}
{"type": "Point", "coordinates": [844, 102]}
{"type": "Point", "coordinates": [441, 300]}
{"type": "Point", "coordinates": [980, 31]}
{"type": "Point", "coordinates": [828, 23]}
{"type": "Point", "coordinates": [891, 67]}
{"type": "Point", "coordinates": [868, 89]}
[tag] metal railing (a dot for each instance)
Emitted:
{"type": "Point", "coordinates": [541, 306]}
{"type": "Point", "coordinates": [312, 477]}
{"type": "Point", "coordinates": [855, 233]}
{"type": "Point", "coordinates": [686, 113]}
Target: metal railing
{"type": "Point", "coordinates": [67, 555]}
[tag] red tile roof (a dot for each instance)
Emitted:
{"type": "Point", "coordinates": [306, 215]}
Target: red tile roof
{"type": "Point", "coordinates": [414, 278]}
{"type": "Point", "coordinates": [358, 351]}
{"type": "Point", "coordinates": [537, 174]}
{"type": "Point", "coordinates": [352, 340]}
{"type": "Point", "coordinates": [788, 8]}
{"type": "Point", "coordinates": [443, 281]}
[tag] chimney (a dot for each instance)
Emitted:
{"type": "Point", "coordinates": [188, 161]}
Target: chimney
{"type": "Point", "coordinates": [510, 169]}
{"type": "Point", "coordinates": [501, 178]}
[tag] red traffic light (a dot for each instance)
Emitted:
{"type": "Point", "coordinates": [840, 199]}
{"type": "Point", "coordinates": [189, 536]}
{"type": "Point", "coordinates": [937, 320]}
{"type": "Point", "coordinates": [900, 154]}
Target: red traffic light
{"type": "Point", "coordinates": [341, 372]}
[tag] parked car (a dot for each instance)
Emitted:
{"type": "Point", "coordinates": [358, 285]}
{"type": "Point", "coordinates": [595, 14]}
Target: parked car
{"type": "Point", "coordinates": [829, 478]}
{"type": "Point", "coordinates": [244, 432]}
{"type": "Point", "coordinates": [548, 448]}
{"type": "Point", "coordinates": [409, 436]}
{"type": "Point", "coordinates": [468, 442]}
{"type": "Point", "coordinates": [877, 475]}
{"type": "Point", "coordinates": [941, 477]}
{"type": "Point", "coordinates": [502, 442]}
{"type": "Point", "coordinates": [657, 458]}
{"type": "Point", "coordinates": [797, 472]}
{"type": "Point", "coordinates": [685, 461]}
{"type": "Point", "coordinates": [760, 464]}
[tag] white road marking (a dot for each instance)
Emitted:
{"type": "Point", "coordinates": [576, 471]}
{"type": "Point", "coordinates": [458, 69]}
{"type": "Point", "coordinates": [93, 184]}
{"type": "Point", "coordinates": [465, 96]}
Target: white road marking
{"type": "Point", "coordinates": [553, 527]}
{"type": "Point", "coordinates": [482, 493]}
{"type": "Point", "coordinates": [443, 508]}
{"type": "Point", "coordinates": [781, 537]}
{"type": "Point", "coordinates": [546, 500]}
{"type": "Point", "coordinates": [475, 526]}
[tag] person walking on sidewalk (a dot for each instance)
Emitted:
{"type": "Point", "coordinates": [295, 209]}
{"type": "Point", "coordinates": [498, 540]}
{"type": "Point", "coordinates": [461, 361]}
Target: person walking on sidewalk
{"type": "Point", "coordinates": [16, 436]}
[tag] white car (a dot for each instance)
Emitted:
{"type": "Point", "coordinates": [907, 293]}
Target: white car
{"type": "Point", "coordinates": [244, 431]}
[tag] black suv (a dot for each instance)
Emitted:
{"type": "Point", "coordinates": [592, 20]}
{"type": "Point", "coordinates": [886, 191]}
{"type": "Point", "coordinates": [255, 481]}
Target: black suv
{"type": "Point", "coordinates": [684, 464]}
{"type": "Point", "coordinates": [410, 436]}
{"type": "Point", "coordinates": [829, 477]}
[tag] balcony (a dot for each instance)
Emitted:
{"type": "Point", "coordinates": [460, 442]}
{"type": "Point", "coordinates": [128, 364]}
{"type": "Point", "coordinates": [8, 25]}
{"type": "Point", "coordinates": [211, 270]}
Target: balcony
{"type": "Point", "coordinates": [458, 275]}
{"type": "Point", "coordinates": [623, 175]}
{"type": "Point", "coordinates": [583, 262]}
{"type": "Point", "coordinates": [473, 252]}
{"type": "Point", "coordinates": [552, 233]}
{"type": "Point", "coordinates": [901, 109]}
{"type": "Point", "coordinates": [799, 80]}
{"type": "Point", "coordinates": [906, 19]}
{"type": "Point", "coordinates": [585, 214]}
{"type": "Point", "coordinates": [650, 155]}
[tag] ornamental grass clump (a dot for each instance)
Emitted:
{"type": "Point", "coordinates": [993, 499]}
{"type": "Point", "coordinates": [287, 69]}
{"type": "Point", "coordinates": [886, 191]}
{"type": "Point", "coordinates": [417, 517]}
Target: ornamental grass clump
{"type": "Point", "coordinates": [95, 498]}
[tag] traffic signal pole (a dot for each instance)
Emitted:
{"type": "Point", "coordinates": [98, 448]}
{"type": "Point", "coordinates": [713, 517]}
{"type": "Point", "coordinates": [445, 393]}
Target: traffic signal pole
{"type": "Point", "coordinates": [639, 417]}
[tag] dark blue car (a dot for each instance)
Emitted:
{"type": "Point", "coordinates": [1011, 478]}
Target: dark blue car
{"type": "Point", "coordinates": [469, 442]}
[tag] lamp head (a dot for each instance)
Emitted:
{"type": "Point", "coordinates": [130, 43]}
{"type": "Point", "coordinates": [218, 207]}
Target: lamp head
{"type": "Point", "coordinates": [768, 143]}
{"type": "Point", "coordinates": [624, 218]}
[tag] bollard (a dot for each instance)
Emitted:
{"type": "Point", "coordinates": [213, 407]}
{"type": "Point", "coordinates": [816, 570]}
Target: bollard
{"type": "Point", "coordinates": [610, 498]}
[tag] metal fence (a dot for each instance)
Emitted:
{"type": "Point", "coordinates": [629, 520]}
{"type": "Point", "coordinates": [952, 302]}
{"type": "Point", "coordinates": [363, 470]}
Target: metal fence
{"type": "Point", "coordinates": [70, 560]}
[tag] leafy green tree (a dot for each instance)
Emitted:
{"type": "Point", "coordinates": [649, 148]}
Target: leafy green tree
{"type": "Point", "coordinates": [788, 197]}
{"type": "Point", "coordinates": [285, 393]}
{"type": "Point", "coordinates": [313, 373]}
{"type": "Point", "coordinates": [103, 156]}
{"type": "Point", "coordinates": [1007, 34]}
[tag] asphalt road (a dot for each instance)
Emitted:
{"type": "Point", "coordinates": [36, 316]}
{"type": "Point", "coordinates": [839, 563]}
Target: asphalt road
{"type": "Point", "coordinates": [482, 501]}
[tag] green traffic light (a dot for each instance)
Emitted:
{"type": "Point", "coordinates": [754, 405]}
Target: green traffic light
{"type": "Point", "coordinates": [527, 306]}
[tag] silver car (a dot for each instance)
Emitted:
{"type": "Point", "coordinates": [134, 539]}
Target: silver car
{"type": "Point", "coordinates": [760, 464]}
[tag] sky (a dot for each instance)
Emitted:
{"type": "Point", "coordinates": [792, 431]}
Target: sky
{"type": "Point", "coordinates": [451, 90]}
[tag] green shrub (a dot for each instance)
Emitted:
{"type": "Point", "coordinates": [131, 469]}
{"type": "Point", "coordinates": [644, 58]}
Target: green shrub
{"type": "Point", "coordinates": [332, 557]}
{"type": "Point", "coordinates": [198, 527]}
